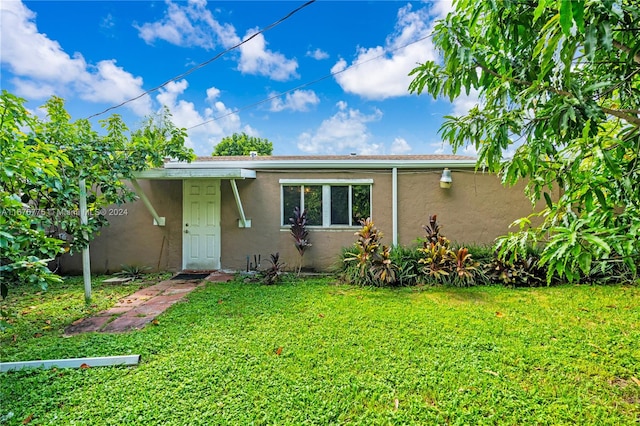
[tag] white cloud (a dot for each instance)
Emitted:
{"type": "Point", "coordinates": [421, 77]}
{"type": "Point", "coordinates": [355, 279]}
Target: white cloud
{"type": "Point", "coordinates": [256, 59]}
{"type": "Point", "coordinates": [110, 83]}
{"type": "Point", "coordinates": [220, 120]}
{"type": "Point", "coordinates": [463, 103]}
{"type": "Point", "coordinates": [189, 25]}
{"type": "Point", "coordinates": [43, 69]}
{"type": "Point", "coordinates": [400, 146]}
{"type": "Point", "coordinates": [439, 148]}
{"type": "Point", "coordinates": [193, 25]}
{"type": "Point", "coordinates": [317, 54]}
{"type": "Point", "coordinates": [469, 150]}
{"type": "Point", "coordinates": [212, 94]}
{"type": "Point", "coordinates": [440, 8]}
{"type": "Point", "coordinates": [387, 76]}
{"type": "Point", "coordinates": [108, 22]}
{"type": "Point", "coordinates": [298, 100]}
{"type": "Point", "coordinates": [344, 132]}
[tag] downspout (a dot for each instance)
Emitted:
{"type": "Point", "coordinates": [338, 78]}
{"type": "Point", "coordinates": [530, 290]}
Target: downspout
{"type": "Point", "coordinates": [394, 208]}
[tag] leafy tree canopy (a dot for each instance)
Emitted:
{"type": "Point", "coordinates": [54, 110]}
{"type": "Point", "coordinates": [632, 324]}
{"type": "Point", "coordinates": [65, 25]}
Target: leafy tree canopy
{"type": "Point", "coordinates": [43, 161]}
{"type": "Point", "coordinates": [559, 83]}
{"type": "Point", "coordinates": [242, 144]}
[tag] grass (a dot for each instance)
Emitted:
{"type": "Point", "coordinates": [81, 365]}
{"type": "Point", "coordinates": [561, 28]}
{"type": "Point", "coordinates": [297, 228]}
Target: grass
{"type": "Point", "coordinates": [315, 352]}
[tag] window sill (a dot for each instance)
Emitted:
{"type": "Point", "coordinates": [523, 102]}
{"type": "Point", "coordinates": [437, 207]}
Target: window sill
{"type": "Point", "coordinates": [334, 228]}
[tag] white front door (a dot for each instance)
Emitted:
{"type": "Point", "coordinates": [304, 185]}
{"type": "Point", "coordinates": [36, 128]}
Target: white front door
{"type": "Point", "coordinates": [201, 224]}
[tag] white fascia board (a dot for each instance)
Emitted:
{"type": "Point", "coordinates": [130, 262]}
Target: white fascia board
{"type": "Point", "coordinates": [327, 164]}
{"type": "Point", "coordinates": [326, 181]}
{"type": "Point", "coordinates": [196, 173]}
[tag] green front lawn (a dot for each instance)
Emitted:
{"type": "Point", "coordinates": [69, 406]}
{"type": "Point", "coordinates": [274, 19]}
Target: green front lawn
{"type": "Point", "coordinates": [313, 352]}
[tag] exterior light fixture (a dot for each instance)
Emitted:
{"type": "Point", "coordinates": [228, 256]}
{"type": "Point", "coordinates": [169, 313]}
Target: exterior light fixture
{"type": "Point", "coordinates": [445, 180]}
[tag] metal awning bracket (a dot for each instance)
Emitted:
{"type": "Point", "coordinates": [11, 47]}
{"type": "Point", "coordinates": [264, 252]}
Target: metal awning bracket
{"type": "Point", "coordinates": [157, 220]}
{"type": "Point", "coordinates": [243, 222]}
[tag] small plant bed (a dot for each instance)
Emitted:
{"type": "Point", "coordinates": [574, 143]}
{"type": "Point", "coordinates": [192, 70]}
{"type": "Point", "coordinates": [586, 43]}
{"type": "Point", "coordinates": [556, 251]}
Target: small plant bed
{"type": "Point", "coordinates": [315, 352]}
{"type": "Point", "coordinates": [434, 260]}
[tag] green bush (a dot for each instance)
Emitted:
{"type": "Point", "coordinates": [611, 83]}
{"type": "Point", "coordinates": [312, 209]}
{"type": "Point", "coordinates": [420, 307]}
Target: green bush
{"type": "Point", "coordinates": [444, 264]}
{"type": "Point", "coordinates": [408, 270]}
{"type": "Point", "coordinates": [373, 259]}
{"type": "Point", "coordinates": [369, 263]}
{"type": "Point", "coordinates": [437, 261]}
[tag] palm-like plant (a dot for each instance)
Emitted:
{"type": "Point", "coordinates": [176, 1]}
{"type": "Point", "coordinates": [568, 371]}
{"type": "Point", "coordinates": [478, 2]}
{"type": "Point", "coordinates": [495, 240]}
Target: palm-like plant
{"type": "Point", "coordinates": [374, 259]}
{"type": "Point", "coordinates": [299, 232]}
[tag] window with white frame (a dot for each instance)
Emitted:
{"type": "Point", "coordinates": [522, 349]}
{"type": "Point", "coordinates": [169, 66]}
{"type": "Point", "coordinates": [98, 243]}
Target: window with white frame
{"type": "Point", "coordinates": [327, 202]}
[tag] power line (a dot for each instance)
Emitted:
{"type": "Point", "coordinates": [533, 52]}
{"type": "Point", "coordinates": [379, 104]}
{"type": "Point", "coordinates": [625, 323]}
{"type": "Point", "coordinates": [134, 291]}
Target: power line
{"type": "Point", "coordinates": [307, 84]}
{"type": "Point", "coordinates": [207, 62]}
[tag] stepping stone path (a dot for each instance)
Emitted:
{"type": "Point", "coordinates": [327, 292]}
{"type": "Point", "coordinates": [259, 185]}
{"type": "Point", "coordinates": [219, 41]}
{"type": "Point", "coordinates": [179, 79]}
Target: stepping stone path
{"type": "Point", "coordinates": [137, 310]}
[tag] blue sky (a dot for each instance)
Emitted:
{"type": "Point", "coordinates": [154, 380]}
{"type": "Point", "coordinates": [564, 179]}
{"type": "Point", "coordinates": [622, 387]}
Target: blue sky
{"type": "Point", "coordinates": [98, 54]}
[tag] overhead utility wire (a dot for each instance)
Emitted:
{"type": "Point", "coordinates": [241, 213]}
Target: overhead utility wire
{"type": "Point", "coordinates": [207, 62]}
{"type": "Point", "coordinates": [306, 84]}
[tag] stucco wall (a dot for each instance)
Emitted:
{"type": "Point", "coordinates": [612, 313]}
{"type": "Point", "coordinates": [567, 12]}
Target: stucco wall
{"type": "Point", "coordinates": [476, 209]}
{"type": "Point", "coordinates": [261, 201]}
{"type": "Point", "coordinates": [132, 239]}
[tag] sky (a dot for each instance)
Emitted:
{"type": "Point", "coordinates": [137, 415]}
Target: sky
{"type": "Point", "coordinates": [330, 79]}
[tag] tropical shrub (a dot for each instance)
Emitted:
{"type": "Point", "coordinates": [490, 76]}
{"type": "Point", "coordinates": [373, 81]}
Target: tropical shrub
{"type": "Point", "coordinates": [444, 264]}
{"type": "Point", "coordinates": [483, 253]}
{"type": "Point", "coordinates": [273, 274]}
{"type": "Point", "coordinates": [521, 272]}
{"type": "Point", "coordinates": [373, 259]}
{"type": "Point", "coordinates": [407, 264]}
{"type": "Point", "coordinates": [299, 233]}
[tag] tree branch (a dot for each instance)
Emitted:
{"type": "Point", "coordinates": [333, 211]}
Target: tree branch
{"type": "Point", "coordinates": [622, 115]}
{"type": "Point", "coordinates": [627, 50]}
{"type": "Point", "coordinates": [626, 115]}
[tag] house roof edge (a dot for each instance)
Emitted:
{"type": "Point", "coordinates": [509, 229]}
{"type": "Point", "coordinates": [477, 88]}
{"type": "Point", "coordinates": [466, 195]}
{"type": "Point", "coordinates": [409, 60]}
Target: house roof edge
{"type": "Point", "coordinates": [328, 162]}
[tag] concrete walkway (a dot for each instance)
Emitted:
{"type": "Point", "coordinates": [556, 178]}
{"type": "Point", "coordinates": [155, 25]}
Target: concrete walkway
{"type": "Point", "coordinates": [137, 310]}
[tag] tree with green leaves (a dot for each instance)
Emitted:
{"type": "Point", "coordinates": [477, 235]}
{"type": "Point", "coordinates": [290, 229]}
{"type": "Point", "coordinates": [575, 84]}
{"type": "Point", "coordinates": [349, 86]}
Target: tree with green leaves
{"type": "Point", "coordinates": [242, 144]}
{"type": "Point", "coordinates": [559, 84]}
{"type": "Point", "coordinates": [43, 161]}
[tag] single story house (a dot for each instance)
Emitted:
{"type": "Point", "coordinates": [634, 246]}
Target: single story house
{"type": "Point", "coordinates": [227, 212]}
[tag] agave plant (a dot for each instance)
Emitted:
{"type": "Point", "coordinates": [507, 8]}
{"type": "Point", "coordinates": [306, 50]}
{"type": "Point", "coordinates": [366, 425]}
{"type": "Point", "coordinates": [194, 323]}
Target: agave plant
{"type": "Point", "coordinates": [133, 271]}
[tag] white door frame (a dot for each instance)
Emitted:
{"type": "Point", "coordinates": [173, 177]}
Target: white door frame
{"type": "Point", "coordinates": [205, 222]}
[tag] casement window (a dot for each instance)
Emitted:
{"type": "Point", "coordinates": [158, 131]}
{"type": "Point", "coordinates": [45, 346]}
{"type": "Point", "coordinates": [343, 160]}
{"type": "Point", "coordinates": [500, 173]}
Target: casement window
{"type": "Point", "coordinates": [328, 203]}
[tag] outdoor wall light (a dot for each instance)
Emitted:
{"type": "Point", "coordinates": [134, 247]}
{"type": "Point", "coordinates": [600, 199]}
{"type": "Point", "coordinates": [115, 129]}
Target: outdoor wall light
{"type": "Point", "coordinates": [445, 180]}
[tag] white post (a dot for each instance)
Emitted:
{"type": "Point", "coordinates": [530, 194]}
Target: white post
{"type": "Point", "coordinates": [86, 260]}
